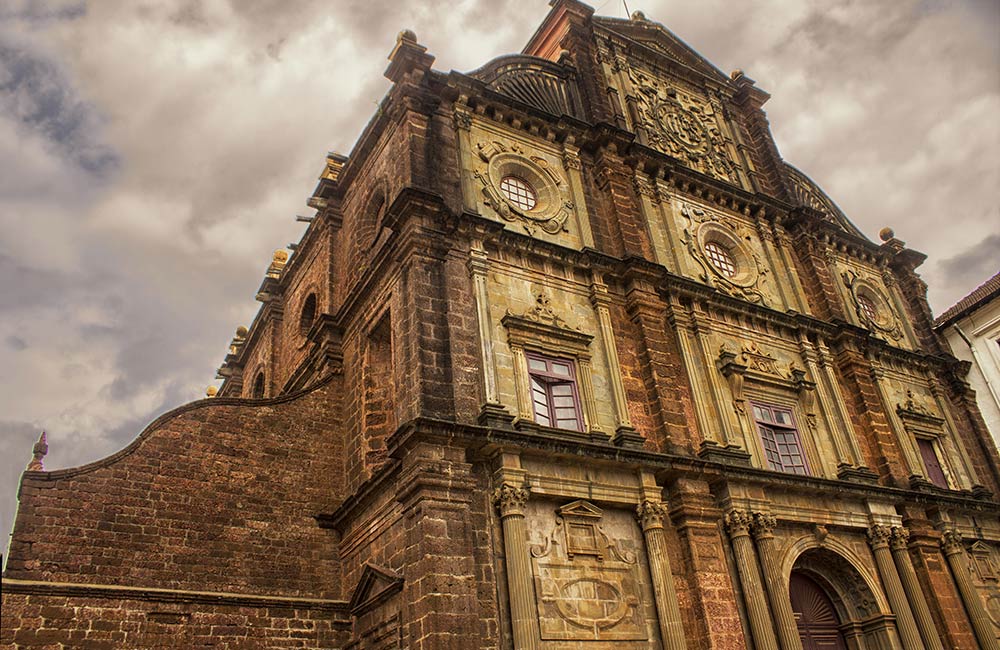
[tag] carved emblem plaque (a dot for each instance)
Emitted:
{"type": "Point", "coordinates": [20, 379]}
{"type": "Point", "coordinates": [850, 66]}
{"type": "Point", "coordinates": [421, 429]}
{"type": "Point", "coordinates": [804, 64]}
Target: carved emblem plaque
{"type": "Point", "coordinates": [587, 589]}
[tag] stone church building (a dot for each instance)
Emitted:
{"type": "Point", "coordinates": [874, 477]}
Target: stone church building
{"type": "Point", "coordinates": [568, 359]}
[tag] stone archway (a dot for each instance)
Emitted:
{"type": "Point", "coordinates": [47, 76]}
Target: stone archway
{"type": "Point", "coordinates": [846, 612]}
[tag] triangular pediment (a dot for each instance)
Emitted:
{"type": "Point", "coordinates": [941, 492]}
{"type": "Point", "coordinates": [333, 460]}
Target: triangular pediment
{"type": "Point", "coordinates": [375, 586]}
{"type": "Point", "coordinates": [581, 508]}
{"type": "Point", "coordinates": [663, 41]}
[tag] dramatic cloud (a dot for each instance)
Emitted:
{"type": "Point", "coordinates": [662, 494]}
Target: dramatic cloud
{"type": "Point", "coordinates": [154, 152]}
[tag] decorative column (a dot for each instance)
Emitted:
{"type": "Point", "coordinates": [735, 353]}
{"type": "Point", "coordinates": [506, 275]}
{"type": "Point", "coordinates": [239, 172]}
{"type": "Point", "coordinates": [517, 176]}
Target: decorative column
{"type": "Point", "coordinates": [777, 592]}
{"type": "Point", "coordinates": [898, 541]}
{"type": "Point", "coordinates": [668, 610]}
{"type": "Point", "coordinates": [954, 551]}
{"type": "Point", "coordinates": [738, 524]}
{"type": "Point", "coordinates": [878, 538]}
{"type": "Point", "coordinates": [510, 501]}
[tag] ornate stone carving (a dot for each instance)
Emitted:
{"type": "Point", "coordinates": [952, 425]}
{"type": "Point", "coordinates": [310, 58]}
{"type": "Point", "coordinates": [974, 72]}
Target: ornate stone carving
{"type": "Point", "coordinates": [510, 499]}
{"type": "Point", "coordinates": [703, 228]}
{"type": "Point", "coordinates": [683, 125]}
{"type": "Point", "coordinates": [760, 361]}
{"type": "Point", "coordinates": [763, 525]}
{"type": "Point", "coordinates": [463, 119]}
{"type": "Point", "coordinates": [951, 542]}
{"type": "Point", "coordinates": [899, 537]}
{"type": "Point", "coordinates": [913, 406]}
{"type": "Point", "coordinates": [552, 207]}
{"type": "Point", "coordinates": [879, 536]}
{"type": "Point", "coordinates": [651, 513]}
{"type": "Point", "coordinates": [543, 313]}
{"type": "Point", "coordinates": [738, 522]}
{"type": "Point", "coordinates": [587, 588]}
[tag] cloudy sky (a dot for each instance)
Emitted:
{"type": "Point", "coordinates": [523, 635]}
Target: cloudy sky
{"type": "Point", "coordinates": [154, 152]}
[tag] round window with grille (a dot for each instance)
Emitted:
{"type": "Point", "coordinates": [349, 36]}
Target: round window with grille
{"type": "Point", "coordinates": [519, 192]}
{"type": "Point", "coordinates": [868, 308]}
{"type": "Point", "coordinates": [721, 258]}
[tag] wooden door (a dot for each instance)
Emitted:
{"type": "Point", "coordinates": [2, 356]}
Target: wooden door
{"type": "Point", "coordinates": [815, 615]}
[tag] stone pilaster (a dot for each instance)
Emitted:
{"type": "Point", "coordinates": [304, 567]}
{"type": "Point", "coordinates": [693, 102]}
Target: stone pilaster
{"type": "Point", "coordinates": [625, 435]}
{"type": "Point", "coordinates": [479, 266]}
{"type": "Point", "coordinates": [650, 514]}
{"type": "Point", "coordinates": [738, 524]}
{"type": "Point", "coordinates": [777, 591]}
{"type": "Point", "coordinates": [878, 538]}
{"type": "Point", "coordinates": [510, 501]}
{"type": "Point", "coordinates": [954, 552]}
{"type": "Point", "coordinates": [898, 541]}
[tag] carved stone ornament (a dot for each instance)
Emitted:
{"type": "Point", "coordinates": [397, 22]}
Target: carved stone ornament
{"type": "Point", "coordinates": [884, 321]}
{"type": "Point", "coordinates": [951, 542]}
{"type": "Point", "coordinates": [738, 522]}
{"type": "Point", "coordinates": [763, 525]}
{"type": "Point", "coordinates": [651, 513]}
{"type": "Point", "coordinates": [587, 588]}
{"type": "Point", "coordinates": [914, 408]}
{"type": "Point", "coordinates": [899, 538]}
{"type": "Point", "coordinates": [552, 207]}
{"type": "Point", "coordinates": [510, 499]}
{"type": "Point", "coordinates": [704, 228]}
{"type": "Point", "coordinates": [683, 125]}
{"type": "Point", "coordinates": [38, 453]}
{"type": "Point", "coordinates": [879, 535]}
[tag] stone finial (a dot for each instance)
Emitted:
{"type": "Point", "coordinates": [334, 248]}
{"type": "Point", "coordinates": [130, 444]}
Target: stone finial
{"type": "Point", "coordinates": [241, 332]}
{"type": "Point", "coordinates": [638, 16]}
{"type": "Point", "coordinates": [278, 261]}
{"type": "Point", "coordinates": [886, 234]}
{"type": "Point", "coordinates": [38, 453]}
{"type": "Point", "coordinates": [211, 391]}
{"type": "Point", "coordinates": [407, 56]}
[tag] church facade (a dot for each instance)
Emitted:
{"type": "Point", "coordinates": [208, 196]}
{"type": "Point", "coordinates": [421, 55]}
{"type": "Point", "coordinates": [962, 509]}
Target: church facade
{"type": "Point", "coordinates": [568, 358]}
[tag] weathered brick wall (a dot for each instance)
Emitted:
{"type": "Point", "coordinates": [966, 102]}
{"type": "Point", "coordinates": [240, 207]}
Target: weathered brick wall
{"type": "Point", "coordinates": [218, 495]}
{"type": "Point", "coordinates": [140, 621]}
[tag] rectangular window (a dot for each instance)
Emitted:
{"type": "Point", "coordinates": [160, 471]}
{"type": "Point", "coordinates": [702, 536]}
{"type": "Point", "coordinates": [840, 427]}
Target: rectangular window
{"type": "Point", "coordinates": [553, 392]}
{"type": "Point", "coordinates": [780, 438]}
{"type": "Point", "coordinates": [931, 463]}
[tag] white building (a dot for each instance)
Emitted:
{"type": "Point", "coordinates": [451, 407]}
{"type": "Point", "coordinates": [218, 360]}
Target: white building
{"type": "Point", "coordinates": [972, 328]}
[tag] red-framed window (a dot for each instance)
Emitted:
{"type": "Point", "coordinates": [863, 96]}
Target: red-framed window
{"type": "Point", "coordinates": [780, 437]}
{"type": "Point", "coordinates": [931, 462]}
{"type": "Point", "coordinates": [554, 396]}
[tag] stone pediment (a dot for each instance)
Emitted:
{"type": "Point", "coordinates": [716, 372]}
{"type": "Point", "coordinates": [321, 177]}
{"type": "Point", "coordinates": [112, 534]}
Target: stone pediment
{"type": "Point", "coordinates": [661, 40]}
{"type": "Point", "coordinates": [376, 585]}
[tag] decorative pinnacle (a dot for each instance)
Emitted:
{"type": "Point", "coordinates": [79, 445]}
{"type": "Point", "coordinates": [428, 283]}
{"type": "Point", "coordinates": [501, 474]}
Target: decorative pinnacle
{"type": "Point", "coordinates": [211, 391]}
{"type": "Point", "coordinates": [886, 234]}
{"type": "Point", "coordinates": [38, 453]}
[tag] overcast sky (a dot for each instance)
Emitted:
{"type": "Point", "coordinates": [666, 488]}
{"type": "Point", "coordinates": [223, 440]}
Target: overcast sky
{"type": "Point", "coordinates": [153, 153]}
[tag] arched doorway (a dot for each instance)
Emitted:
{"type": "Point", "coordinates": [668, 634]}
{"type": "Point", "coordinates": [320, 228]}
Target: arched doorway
{"type": "Point", "coordinates": [815, 614]}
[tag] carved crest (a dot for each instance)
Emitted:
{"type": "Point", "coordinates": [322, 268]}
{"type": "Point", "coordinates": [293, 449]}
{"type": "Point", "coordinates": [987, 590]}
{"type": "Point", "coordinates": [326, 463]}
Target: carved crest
{"type": "Point", "coordinates": [871, 305]}
{"type": "Point", "coordinates": [587, 587]}
{"type": "Point", "coordinates": [683, 125]}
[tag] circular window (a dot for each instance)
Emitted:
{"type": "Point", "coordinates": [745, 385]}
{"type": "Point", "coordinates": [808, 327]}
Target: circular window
{"type": "Point", "coordinates": [518, 192]}
{"type": "Point", "coordinates": [867, 307]}
{"type": "Point", "coordinates": [721, 258]}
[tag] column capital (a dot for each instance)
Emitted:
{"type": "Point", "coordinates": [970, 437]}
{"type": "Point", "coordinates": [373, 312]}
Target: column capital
{"type": "Point", "coordinates": [738, 523]}
{"type": "Point", "coordinates": [878, 536]}
{"type": "Point", "coordinates": [651, 513]}
{"type": "Point", "coordinates": [951, 542]}
{"type": "Point", "coordinates": [510, 499]}
{"type": "Point", "coordinates": [899, 537]}
{"type": "Point", "coordinates": [763, 525]}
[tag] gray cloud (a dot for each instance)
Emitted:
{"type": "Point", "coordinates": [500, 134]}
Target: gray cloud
{"type": "Point", "coordinates": [153, 154]}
